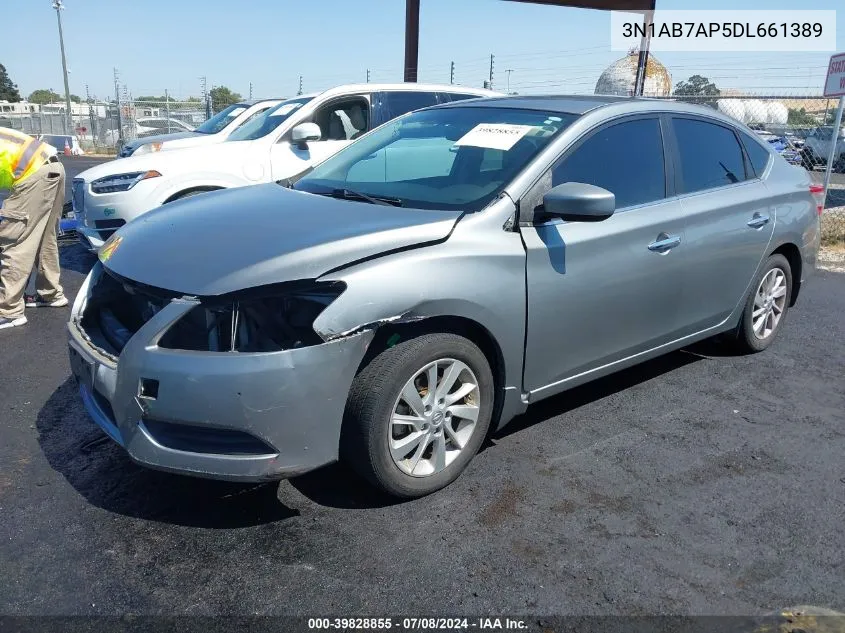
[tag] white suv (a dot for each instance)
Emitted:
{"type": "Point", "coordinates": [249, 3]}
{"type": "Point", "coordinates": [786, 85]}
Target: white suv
{"type": "Point", "coordinates": [216, 130]}
{"type": "Point", "coordinates": [282, 142]}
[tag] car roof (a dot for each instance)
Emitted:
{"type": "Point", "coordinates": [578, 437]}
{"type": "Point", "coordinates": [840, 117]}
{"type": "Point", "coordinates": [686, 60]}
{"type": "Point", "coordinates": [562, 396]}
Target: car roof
{"type": "Point", "coordinates": [612, 105]}
{"type": "Point", "coordinates": [412, 87]}
{"type": "Point", "coordinates": [564, 104]}
{"type": "Point", "coordinates": [252, 102]}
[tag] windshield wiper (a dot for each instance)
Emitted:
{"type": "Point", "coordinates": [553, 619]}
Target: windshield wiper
{"type": "Point", "coordinates": [348, 194]}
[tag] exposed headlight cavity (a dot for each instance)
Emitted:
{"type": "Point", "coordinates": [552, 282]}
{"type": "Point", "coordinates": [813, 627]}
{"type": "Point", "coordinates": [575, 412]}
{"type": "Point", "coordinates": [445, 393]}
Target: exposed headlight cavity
{"type": "Point", "coordinates": [261, 320]}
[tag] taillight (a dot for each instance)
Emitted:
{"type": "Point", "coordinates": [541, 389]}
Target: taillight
{"type": "Point", "coordinates": [818, 193]}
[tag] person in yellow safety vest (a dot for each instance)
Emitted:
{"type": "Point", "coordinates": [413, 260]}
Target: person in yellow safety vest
{"type": "Point", "coordinates": [28, 221]}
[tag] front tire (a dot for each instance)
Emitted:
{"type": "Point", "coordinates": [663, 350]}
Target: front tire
{"type": "Point", "coordinates": [418, 413]}
{"type": "Point", "coordinates": [766, 306]}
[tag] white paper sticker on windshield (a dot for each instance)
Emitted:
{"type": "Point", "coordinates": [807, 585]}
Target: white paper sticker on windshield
{"type": "Point", "coordinates": [286, 109]}
{"type": "Point", "coordinates": [494, 135]}
{"type": "Point", "coordinates": [235, 112]}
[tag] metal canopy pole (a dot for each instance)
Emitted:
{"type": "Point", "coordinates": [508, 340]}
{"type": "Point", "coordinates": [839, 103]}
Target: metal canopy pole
{"type": "Point", "coordinates": [642, 62]}
{"type": "Point", "coordinates": [412, 38]}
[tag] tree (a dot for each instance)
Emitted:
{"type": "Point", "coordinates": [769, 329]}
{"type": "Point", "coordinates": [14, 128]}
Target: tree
{"type": "Point", "coordinates": [222, 97]}
{"type": "Point", "coordinates": [161, 99]}
{"type": "Point", "coordinates": [698, 87]}
{"type": "Point", "coordinates": [8, 89]}
{"type": "Point", "coordinates": [800, 117]}
{"type": "Point", "coordinates": [75, 98]}
{"type": "Point", "coordinates": [43, 96]}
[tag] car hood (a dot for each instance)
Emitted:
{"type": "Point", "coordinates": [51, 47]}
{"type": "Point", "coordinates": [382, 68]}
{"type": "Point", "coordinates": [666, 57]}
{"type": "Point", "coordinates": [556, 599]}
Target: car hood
{"type": "Point", "coordinates": [228, 240]}
{"type": "Point", "coordinates": [160, 138]}
{"type": "Point", "coordinates": [178, 160]}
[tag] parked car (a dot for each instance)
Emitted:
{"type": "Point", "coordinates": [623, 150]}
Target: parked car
{"type": "Point", "coordinates": [147, 126]}
{"type": "Point", "coordinates": [214, 130]}
{"type": "Point", "coordinates": [60, 140]}
{"type": "Point", "coordinates": [280, 143]}
{"type": "Point", "coordinates": [817, 148]}
{"type": "Point", "coordinates": [422, 286]}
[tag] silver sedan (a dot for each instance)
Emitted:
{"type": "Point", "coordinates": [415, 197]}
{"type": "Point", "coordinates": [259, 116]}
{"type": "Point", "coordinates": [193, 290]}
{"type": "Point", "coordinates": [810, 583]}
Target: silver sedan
{"type": "Point", "coordinates": [416, 291]}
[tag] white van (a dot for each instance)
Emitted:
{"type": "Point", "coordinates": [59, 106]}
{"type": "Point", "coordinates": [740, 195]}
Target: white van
{"type": "Point", "coordinates": [282, 142]}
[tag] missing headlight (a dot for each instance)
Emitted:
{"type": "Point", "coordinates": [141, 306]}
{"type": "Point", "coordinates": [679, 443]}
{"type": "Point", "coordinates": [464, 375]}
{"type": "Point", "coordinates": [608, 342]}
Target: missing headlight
{"type": "Point", "coordinates": [260, 320]}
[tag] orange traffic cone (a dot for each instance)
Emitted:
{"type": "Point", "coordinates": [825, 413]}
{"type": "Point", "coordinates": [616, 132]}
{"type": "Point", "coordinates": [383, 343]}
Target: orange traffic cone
{"type": "Point", "coordinates": [67, 149]}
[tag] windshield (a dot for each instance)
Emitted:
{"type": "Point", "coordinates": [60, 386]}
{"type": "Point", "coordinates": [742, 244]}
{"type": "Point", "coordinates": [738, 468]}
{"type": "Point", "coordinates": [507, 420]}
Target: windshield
{"type": "Point", "coordinates": [222, 119]}
{"type": "Point", "coordinates": [444, 158]}
{"type": "Point", "coordinates": [265, 123]}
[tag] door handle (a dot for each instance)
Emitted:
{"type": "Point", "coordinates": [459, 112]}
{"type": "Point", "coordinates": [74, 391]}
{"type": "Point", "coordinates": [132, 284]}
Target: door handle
{"type": "Point", "coordinates": [665, 243]}
{"type": "Point", "coordinates": [758, 220]}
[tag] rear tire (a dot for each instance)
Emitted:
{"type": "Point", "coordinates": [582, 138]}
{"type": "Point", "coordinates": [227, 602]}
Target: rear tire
{"type": "Point", "coordinates": [408, 455]}
{"type": "Point", "coordinates": [766, 306]}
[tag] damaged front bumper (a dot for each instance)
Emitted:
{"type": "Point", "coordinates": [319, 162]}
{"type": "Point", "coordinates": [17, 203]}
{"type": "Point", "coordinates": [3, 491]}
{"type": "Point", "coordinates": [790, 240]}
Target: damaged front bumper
{"type": "Point", "coordinates": [222, 415]}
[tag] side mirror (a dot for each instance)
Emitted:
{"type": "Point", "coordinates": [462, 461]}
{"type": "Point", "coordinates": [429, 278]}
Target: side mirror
{"type": "Point", "coordinates": [304, 132]}
{"type": "Point", "coordinates": [577, 202]}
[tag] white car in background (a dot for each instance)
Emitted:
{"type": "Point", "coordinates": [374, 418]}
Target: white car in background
{"type": "Point", "coordinates": [281, 143]}
{"type": "Point", "coordinates": [214, 130]}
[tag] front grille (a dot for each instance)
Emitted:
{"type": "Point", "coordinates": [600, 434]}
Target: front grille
{"type": "Point", "coordinates": [116, 309]}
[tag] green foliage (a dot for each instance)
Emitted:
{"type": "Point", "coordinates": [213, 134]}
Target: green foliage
{"type": "Point", "coordinates": [222, 98]}
{"type": "Point", "coordinates": [43, 96]}
{"type": "Point", "coordinates": [697, 86]}
{"type": "Point", "coordinates": [8, 89]}
{"type": "Point", "coordinates": [799, 116]}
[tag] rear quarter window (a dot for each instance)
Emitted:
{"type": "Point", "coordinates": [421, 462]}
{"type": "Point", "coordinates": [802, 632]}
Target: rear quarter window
{"type": "Point", "coordinates": [757, 154]}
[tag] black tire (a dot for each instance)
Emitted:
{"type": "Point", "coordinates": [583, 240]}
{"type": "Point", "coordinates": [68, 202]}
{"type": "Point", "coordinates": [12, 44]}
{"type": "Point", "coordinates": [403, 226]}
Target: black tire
{"type": "Point", "coordinates": [369, 408]}
{"type": "Point", "coordinates": [744, 339]}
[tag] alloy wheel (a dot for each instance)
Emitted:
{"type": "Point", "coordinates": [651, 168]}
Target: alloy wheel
{"type": "Point", "coordinates": [434, 417]}
{"type": "Point", "coordinates": [769, 303]}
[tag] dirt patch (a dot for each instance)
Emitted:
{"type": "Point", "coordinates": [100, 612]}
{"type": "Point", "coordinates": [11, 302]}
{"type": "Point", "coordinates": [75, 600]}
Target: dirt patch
{"type": "Point", "coordinates": [503, 507]}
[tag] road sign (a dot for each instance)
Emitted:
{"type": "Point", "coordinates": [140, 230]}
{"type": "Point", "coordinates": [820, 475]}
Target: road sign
{"type": "Point", "coordinates": [834, 86]}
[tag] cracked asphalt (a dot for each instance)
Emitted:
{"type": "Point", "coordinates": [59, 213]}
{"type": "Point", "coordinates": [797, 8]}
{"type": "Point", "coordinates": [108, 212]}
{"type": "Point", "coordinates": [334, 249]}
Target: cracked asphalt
{"type": "Point", "coordinates": [697, 483]}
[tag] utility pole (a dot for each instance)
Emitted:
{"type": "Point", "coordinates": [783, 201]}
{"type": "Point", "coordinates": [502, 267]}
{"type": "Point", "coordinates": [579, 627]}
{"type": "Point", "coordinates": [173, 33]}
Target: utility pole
{"type": "Point", "coordinates": [167, 108]}
{"type": "Point", "coordinates": [509, 71]}
{"type": "Point", "coordinates": [491, 71]}
{"type": "Point", "coordinates": [206, 96]}
{"type": "Point", "coordinates": [250, 91]}
{"type": "Point", "coordinates": [300, 85]}
{"type": "Point", "coordinates": [368, 75]}
{"type": "Point", "coordinates": [117, 106]}
{"type": "Point", "coordinates": [58, 6]}
{"type": "Point", "coordinates": [91, 114]}
{"type": "Point", "coordinates": [452, 73]}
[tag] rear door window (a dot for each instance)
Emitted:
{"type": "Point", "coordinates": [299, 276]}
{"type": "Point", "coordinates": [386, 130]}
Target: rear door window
{"type": "Point", "coordinates": [625, 158]}
{"type": "Point", "coordinates": [709, 155]}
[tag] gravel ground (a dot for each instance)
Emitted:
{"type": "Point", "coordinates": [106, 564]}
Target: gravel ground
{"type": "Point", "coordinates": [694, 484]}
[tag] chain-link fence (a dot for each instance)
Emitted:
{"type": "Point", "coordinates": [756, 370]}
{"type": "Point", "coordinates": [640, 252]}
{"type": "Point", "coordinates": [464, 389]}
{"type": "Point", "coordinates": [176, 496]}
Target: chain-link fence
{"type": "Point", "coordinates": [103, 127]}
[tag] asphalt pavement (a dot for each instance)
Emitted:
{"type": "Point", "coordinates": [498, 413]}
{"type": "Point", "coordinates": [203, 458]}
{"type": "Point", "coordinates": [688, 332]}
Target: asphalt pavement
{"type": "Point", "coordinates": [697, 483]}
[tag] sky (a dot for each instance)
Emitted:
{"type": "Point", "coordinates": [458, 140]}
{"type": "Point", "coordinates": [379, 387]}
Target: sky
{"type": "Point", "coordinates": [159, 45]}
